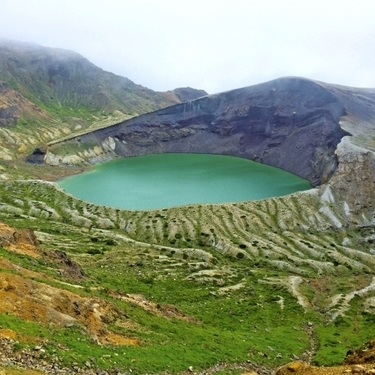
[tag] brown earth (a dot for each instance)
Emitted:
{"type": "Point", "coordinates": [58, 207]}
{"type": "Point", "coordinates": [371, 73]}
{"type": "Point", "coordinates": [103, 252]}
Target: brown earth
{"type": "Point", "coordinates": [13, 106]}
{"type": "Point", "coordinates": [359, 361]}
{"type": "Point", "coordinates": [301, 368]}
{"type": "Point", "coordinates": [22, 241]}
{"type": "Point", "coordinates": [37, 301]}
{"type": "Point", "coordinates": [20, 372]}
{"type": "Point", "coordinates": [365, 354]}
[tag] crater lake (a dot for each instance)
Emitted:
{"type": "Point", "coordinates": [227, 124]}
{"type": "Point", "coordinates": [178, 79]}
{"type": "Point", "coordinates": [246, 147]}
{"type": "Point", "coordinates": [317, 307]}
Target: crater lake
{"type": "Point", "coordinates": [167, 180]}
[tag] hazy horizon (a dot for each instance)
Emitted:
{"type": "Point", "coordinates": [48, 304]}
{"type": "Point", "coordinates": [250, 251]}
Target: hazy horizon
{"type": "Point", "coordinates": [212, 45]}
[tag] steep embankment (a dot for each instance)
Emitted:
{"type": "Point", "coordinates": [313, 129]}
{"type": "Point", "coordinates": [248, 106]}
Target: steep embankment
{"type": "Point", "coordinates": [291, 123]}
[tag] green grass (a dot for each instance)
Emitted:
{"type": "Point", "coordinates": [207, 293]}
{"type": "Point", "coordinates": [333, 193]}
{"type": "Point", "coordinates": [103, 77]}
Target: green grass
{"type": "Point", "coordinates": [239, 325]}
{"type": "Point", "coordinates": [346, 332]}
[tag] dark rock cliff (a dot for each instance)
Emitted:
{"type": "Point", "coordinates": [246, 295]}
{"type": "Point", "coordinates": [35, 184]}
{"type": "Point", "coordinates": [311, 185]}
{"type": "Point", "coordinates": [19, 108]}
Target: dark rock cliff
{"type": "Point", "coordinates": [290, 123]}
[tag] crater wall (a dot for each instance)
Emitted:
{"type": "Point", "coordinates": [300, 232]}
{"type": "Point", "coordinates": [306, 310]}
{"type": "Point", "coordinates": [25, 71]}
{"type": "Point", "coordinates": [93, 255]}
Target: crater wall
{"type": "Point", "coordinates": [291, 123]}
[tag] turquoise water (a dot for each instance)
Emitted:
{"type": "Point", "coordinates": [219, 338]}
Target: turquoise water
{"type": "Point", "coordinates": [166, 180]}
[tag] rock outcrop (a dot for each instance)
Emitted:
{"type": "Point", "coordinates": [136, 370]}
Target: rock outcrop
{"type": "Point", "coordinates": [22, 241]}
{"type": "Point", "coordinates": [291, 123]}
{"type": "Point", "coordinates": [353, 183]}
{"type": "Point", "coordinates": [37, 157]}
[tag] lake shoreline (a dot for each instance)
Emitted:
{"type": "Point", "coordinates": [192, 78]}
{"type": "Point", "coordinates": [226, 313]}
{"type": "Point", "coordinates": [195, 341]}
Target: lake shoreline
{"type": "Point", "coordinates": [175, 179]}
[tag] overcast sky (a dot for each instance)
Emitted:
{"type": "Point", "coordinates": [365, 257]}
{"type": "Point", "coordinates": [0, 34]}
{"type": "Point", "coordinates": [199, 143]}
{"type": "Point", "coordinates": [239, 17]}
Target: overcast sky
{"type": "Point", "coordinates": [215, 45]}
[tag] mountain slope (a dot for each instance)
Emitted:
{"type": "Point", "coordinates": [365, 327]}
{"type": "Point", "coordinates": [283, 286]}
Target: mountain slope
{"type": "Point", "coordinates": [49, 93]}
{"type": "Point", "coordinates": [57, 78]}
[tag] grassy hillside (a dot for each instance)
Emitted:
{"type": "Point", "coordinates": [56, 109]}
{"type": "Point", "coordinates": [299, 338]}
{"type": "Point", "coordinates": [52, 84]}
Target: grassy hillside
{"type": "Point", "coordinates": [192, 286]}
{"type": "Point", "coordinates": [61, 81]}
